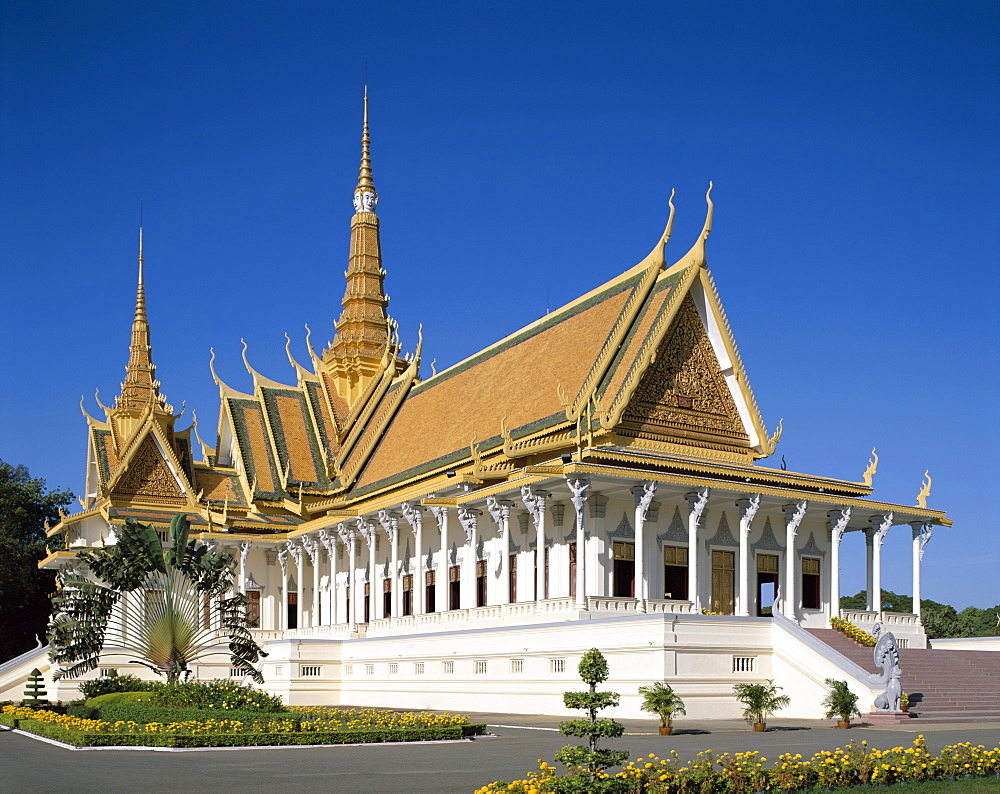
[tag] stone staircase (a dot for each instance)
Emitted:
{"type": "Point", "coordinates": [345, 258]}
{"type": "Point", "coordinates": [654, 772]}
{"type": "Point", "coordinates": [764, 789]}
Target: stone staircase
{"type": "Point", "coordinates": [943, 685]}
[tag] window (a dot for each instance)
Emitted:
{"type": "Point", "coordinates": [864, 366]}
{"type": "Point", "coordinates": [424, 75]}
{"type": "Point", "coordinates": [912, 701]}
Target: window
{"type": "Point", "coordinates": [572, 569]}
{"type": "Point", "coordinates": [624, 569]}
{"type": "Point", "coordinates": [277, 669]}
{"type": "Point", "coordinates": [418, 668]}
{"type": "Point", "coordinates": [480, 668]}
{"type": "Point", "coordinates": [557, 665]}
{"type": "Point", "coordinates": [408, 594]}
{"type": "Point", "coordinates": [744, 664]}
{"type": "Point", "coordinates": [810, 583]}
{"type": "Point", "coordinates": [675, 572]}
{"type": "Point", "coordinates": [107, 671]}
{"type": "Point", "coordinates": [517, 666]}
{"type": "Point", "coordinates": [387, 598]}
{"type": "Point", "coordinates": [455, 587]}
{"type": "Point", "coordinates": [293, 610]}
{"type": "Point", "coordinates": [234, 672]}
{"type": "Point", "coordinates": [310, 670]}
{"type": "Point", "coordinates": [429, 592]}
{"type": "Point", "coordinates": [348, 669]}
{"type": "Point", "coordinates": [481, 583]}
{"type": "Point", "coordinates": [448, 668]}
{"type": "Point", "coordinates": [369, 669]}
{"type": "Point", "coordinates": [512, 578]}
{"type": "Point", "coordinates": [368, 601]}
{"type": "Point", "coordinates": [393, 668]}
{"type": "Point", "coordinates": [253, 609]}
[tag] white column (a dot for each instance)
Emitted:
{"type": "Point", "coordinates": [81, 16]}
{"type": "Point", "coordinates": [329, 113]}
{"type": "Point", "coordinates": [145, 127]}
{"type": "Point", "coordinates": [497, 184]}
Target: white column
{"type": "Point", "coordinates": [748, 509]}
{"type": "Point", "coordinates": [499, 510]}
{"type": "Point", "coordinates": [352, 580]}
{"type": "Point", "coordinates": [469, 519]}
{"type": "Point", "coordinates": [643, 495]}
{"type": "Point", "coordinates": [329, 542]}
{"type": "Point", "coordinates": [794, 513]}
{"type": "Point", "coordinates": [578, 488]}
{"type": "Point", "coordinates": [283, 615]}
{"type": "Point", "coordinates": [441, 584]}
{"type": "Point", "coordinates": [415, 518]}
{"type": "Point", "coordinates": [312, 549]}
{"type": "Point", "coordinates": [367, 533]}
{"type": "Point", "coordinates": [697, 500]}
{"type": "Point", "coordinates": [838, 524]}
{"type": "Point", "coordinates": [534, 503]}
{"type": "Point", "coordinates": [244, 551]}
{"type": "Point", "coordinates": [869, 569]}
{"type": "Point", "coordinates": [880, 525]}
{"type": "Point", "coordinates": [921, 537]}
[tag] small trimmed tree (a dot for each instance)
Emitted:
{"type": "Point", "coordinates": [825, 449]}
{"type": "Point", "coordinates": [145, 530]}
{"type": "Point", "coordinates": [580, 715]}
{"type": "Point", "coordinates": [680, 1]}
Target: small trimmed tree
{"type": "Point", "coordinates": [34, 692]}
{"type": "Point", "coordinates": [589, 759]}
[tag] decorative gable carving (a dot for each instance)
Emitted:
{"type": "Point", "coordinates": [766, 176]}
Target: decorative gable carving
{"type": "Point", "coordinates": [148, 475]}
{"type": "Point", "coordinates": [683, 396]}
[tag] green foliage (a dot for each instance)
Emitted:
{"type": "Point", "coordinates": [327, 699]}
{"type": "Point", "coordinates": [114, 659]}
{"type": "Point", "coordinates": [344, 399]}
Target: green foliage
{"type": "Point", "coordinates": [145, 713]}
{"type": "Point", "coordinates": [940, 620]}
{"type": "Point", "coordinates": [840, 701]}
{"type": "Point", "coordinates": [219, 694]}
{"type": "Point", "coordinates": [660, 699]}
{"type": "Point", "coordinates": [760, 701]}
{"type": "Point", "coordinates": [135, 696]}
{"type": "Point", "coordinates": [25, 507]}
{"type": "Point", "coordinates": [167, 590]}
{"type": "Point", "coordinates": [585, 762]}
{"type": "Point", "coordinates": [113, 683]}
{"type": "Point", "coordinates": [34, 691]}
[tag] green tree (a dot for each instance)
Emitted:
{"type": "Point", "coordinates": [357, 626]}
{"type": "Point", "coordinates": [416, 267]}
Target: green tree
{"type": "Point", "coordinates": [25, 506]}
{"type": "Point", "coordinates": [976, 622]}
{"type": "Point", "coordinates": [940, 620]}
{"type": "Point", "coordinates": [589, 759]}
{"type": "Point", "coordinates": [166, 593]}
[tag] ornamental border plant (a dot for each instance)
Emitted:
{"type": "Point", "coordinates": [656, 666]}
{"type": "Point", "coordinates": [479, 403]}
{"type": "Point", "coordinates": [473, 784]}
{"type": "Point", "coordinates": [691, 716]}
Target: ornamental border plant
{"type": "Point", "coordinates": [660, 699]}
{"type": "Point", "coordinates": [855, 765]}
{"type": "Point", "coordinates": [761, 701]}
{"type": "Point", "coordinates": [852, 632]}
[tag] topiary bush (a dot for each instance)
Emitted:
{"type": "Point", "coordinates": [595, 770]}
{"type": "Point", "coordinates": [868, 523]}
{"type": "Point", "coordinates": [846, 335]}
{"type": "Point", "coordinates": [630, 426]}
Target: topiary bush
{"type": "Point", "coordinates": [217, 694]}
{"type": "Point", "coordinates": [114, 683]}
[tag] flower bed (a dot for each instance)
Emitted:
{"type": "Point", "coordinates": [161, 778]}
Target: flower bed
{"type": "Point", "coordinates": [326, 726]}
{"type": "Point", "coordinates": [857, 765]}
{"type": "Point", "coordinates": [851, 631]}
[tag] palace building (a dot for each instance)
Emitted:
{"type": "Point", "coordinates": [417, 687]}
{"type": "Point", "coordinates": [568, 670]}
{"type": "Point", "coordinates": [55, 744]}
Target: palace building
{"type": "Point", "coordinates": [596, 479]}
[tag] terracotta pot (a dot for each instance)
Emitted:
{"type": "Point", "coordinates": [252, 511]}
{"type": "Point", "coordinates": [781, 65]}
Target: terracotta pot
{"type": "Point", "coordinates": [760, 727]}
{"type": "Point", "coordinates": [904, 708]}
{"type": "Point", "coordinates": [843, 723]}
{"type": "Point", "coordinates": [666, 730]}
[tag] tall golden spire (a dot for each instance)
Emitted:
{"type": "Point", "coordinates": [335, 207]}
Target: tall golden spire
{"type": "Point", "coordinates": [364, 327]}
{"type": "Point", "coordinates": [140, 387]}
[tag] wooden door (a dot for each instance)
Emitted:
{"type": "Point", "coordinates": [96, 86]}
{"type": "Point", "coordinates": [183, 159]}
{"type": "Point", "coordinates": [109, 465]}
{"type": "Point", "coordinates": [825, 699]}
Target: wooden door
{"type": "Point", "coordinates": [723, 582]}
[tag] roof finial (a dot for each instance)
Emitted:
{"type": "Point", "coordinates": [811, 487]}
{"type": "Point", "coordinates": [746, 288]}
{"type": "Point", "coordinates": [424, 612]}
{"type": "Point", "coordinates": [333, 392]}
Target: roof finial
{"type": "Point", "coordinates": [140, 295]}
{"type": "Point", "coordinates": [365, 197]}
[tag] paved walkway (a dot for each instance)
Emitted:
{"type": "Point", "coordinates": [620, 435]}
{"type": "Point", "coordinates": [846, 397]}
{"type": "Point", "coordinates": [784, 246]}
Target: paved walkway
{"type": "Point", "coordinates": [28, 765]}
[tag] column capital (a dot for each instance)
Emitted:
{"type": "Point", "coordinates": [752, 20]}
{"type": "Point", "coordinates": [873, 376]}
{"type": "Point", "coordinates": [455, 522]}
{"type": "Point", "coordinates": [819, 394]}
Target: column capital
{"type": "Point", "coordinates": [643, 497]}
{"type": "Point", "coordinates": [922, 531]}
{"type": "Point", "coordinates": [748, 509]}
{"type": "Point", "coordinates": [469, 519]}
{"type": "Point", "coordinates": [880, 526]}
{"type": "Point", "coordinates": [697, 501]}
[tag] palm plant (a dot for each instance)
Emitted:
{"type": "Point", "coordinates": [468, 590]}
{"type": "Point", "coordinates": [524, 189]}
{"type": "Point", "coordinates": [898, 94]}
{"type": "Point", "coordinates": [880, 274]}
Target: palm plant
{"type": "Point", "coordinates": [171, 606]}
{"type": "Point", "coordinates": [840, 701]}
{"type": "Point", "coordinates": [760, 700]}
{"type": "Point", "coordinates": [660, 699]}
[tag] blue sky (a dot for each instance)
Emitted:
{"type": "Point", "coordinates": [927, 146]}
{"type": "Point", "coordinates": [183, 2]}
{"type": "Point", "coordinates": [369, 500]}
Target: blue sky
{"type": "Point", "coordinates": [523, 153]}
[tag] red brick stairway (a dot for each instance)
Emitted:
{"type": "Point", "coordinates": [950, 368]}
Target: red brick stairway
{"type": "Point", "coordinates": [943, 685]}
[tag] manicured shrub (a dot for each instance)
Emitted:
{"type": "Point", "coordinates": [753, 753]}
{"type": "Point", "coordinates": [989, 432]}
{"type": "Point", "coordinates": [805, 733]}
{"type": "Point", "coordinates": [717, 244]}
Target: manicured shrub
{"type": "Point", "coordinates": [144, 713]}
{"type": "Point", "coordinates": [114, 683]}
{"type": "Point", "coordinates": [120, 697]}
{"type": "Point", "coordinates": [217, 694]}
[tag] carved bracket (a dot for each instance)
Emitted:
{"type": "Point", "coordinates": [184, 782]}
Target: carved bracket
{"type": "Point", "coordinates": [469, 519]}
{"type": "Point", "coordinates": [643, 497]}
{"type": "Point", "coordinates": [748, 509]}
{"type": "Point", "coordinates": [794, 513]}
{"type": "Point", "coordinates": [839, 520]}
{"type": "Point", "coordinates": [881, 526]}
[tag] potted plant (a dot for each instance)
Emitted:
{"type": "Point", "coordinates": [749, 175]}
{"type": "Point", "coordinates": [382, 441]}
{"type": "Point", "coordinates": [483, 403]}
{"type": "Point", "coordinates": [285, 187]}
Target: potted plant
{"type": "Point", "coordinates": [904, 702]}
{"type": "Point", "coordinates": [841, 702]}
{"type": "Point", "coordinates": [761, 700]}
{"type": "Point", "coordinates": [660, 699]}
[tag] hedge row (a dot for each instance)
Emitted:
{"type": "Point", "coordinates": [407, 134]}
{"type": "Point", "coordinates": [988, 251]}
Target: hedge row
{"type": "Point", "coordinates": [80, 739]}
{"type": "Point", "coordinates": [143, 713]}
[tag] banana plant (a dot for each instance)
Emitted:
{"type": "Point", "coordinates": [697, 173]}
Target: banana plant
{"type": "Point", "coordinates": [166, 607]}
